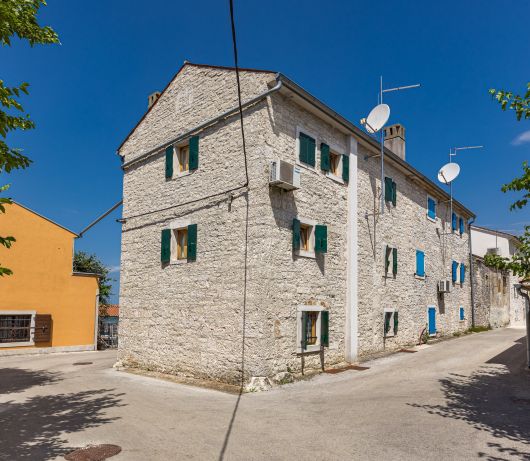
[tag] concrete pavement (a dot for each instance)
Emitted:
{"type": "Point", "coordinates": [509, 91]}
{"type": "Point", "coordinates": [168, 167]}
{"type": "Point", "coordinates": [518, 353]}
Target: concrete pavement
{"type": "Point", "coordinates": [467, 398]}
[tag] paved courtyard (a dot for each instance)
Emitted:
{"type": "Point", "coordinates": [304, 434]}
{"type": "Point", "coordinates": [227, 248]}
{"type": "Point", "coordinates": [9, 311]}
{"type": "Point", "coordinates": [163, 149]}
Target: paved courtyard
{"type": "Point", "coordinates": [468, 398]}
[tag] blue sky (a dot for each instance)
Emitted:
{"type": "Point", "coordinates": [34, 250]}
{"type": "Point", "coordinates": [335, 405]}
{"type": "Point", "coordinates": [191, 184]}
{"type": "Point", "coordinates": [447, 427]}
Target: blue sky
{"type": "Point", "coordinates": [88, 92]}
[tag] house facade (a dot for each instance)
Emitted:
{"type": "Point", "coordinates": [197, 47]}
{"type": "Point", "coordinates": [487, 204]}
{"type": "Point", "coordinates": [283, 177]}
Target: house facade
{"type": "Point", "coordinates": [45, 306]}
{"type": "Point", "coordinates": [224, 274]}
{"type": "Point", "coordinates": [497, 299]}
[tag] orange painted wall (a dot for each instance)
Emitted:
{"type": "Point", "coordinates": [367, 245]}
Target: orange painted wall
{"type": "Point", "coordinates": [42, 280]}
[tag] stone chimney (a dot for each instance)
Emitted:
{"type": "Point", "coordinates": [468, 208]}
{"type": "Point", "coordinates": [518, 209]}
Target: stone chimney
{"type": "Point", "coordinates": [151, 99]}
{"type": "Point", "coordinates": [395, 139]}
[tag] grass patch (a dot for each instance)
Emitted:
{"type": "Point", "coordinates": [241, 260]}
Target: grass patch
{"type": "Point", "coordinates": [479, 329]}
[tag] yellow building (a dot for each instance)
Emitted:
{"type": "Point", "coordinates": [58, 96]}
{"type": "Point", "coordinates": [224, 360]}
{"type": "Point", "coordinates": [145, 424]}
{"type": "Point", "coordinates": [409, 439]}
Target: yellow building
{"type": "Point", "coordinates": [44, 304]}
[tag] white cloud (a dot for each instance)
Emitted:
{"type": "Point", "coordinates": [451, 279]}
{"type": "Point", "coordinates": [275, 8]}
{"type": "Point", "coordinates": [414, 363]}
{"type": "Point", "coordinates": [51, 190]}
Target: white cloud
{"type": "Point", "coordinates": [113, 269]}
{"type": "Point", "coordinates": [523, 138]}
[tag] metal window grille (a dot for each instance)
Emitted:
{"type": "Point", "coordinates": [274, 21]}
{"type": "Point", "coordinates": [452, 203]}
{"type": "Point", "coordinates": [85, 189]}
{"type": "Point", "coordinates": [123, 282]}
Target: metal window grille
{"type": "Point", "coordinates": [311, 328]}
{"type": "Point", "coordinates": [15, 328]}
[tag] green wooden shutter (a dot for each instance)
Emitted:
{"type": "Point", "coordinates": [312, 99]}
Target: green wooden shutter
{"type": "Point", "coordinates": [394, 193]}
{"type": "Point", "coordinates": [321, 238]}
{"type": "Point", "coordinates": [388, 189]}
{"type": "Point", "coordinates": [302, 147]}
{"type": "Point", "coordinates": [345, 168]}
{"type": "Point", "coordinates": [394, 261]}
{"type": "Point", "coordinates": [325, 161]}
{"type": "Point", "coordinates": [324, 328]}
{"type": "Point", "coordinates": [396, 322]}
{"type": "Point", "coordinates": [311, 149]}
{"type": "Point", "coordinates": [296, 234]}
{"type": "Point", "coordinates": [194, 152]}
{"type": "Point", "coordinates": [388, 250]}
{"type": "Point", "coordinates": [169, 162]}
{"type": "Point", "coordinates": [192, 242]}
{"type": "Point", "coordinates": [303, 341]}
{"type": "Point", "coordinates": [165, 253]}
{"type": "Point", "coordinates": [387, 322]}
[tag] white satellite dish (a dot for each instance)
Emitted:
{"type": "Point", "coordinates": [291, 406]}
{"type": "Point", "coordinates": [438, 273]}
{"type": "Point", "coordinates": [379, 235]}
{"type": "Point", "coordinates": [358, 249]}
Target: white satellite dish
{"type": "Point", "coordinates": [377, 118]}
{"type": "Point", "coordinates": [448, 173]}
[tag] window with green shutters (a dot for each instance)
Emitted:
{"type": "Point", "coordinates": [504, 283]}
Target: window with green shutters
{"type": "Point", "coordinates": [313, 329]}
{"type": "Point", "coordinates": [179, 244]}
{"type": "Point", "coordinates": [181, 159]}
{"type": "Point", "coordinates": [307, 148]}
{"type": "Point", "coordinates": [309, 238]}
{"type": "Point", "coordinates": [390, 322]}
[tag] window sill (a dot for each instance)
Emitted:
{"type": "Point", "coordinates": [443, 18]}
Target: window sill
{"type": "Point", "coordinates": [176, 262]}
{"type": "Point", "coordinates": [25, 343]}
{"type": "Point", "coordinates": [312, 348]}
{"type": "Point", "coordinates": [335, 178]}
{"type": "Point", "coordinates": [389, 335]}
{"type": "Point", "coordinates": [306, 166]}
{"type": "Point", "coordinates": [305, 254]}
{"type": "Point", "coordinates": [431, 219]}
{"type": "Point", "coordinates": [419, 277]}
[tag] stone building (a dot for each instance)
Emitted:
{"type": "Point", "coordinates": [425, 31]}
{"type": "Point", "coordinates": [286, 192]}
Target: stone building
{"type": "Point", "coordinates": [230, 270]}
{"type": "Point", "coordinates": [497, 300]}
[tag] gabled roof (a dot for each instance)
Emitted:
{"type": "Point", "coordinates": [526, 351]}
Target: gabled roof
{"type": "Point", "coordinates": [187, 63]}
{"type": "Point", "coordinates": [43, 217]}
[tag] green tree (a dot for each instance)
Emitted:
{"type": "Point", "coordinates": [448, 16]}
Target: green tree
{"type": "Point", "coordinates": [519, 263]}
{"type": "Point", "coordinates": [17, 18]}
{"type": "Point", "coordinates": [84, 262]}
{"type": "Point", "coordinates": [517, 103]}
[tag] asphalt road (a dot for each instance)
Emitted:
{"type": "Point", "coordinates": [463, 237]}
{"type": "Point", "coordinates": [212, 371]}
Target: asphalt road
{"type": "Point", "coordinates": [468, 398]}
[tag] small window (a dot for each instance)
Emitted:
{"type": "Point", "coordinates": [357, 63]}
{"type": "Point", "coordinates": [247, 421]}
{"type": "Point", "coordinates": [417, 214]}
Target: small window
{"type": "Point", "coordinates": [309, 238]}
{"type": "Point", "coordinates": [182, 243]}
{"type": "Point", "coordinates": [313, 329]}
{"type": "Point", "coordinates": [15, 328]}
{"type": "Point", "coordinates": [391, 256]}
{"type": "Point", "coordinates": [431, 208]}
{"type": "Point", "coordinates": [183, 159]}
{"type": "Point", "coordinates": [306, 232]}
{"type": "Point", "coordinates": [390, 326]}
{"type": "Point", "coordinates": [462, 314]}
{"type": "Point", "coordinates": [335, 164]}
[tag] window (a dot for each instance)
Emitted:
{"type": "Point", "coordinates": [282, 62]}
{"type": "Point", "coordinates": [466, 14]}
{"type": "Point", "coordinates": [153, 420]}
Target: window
{"type": "Point", "coordinates": [181, 236]}
{"type": "Point", "coordinates": [391, 254]}
{"type": "Point", "coordinates": [186, 157]}
{"type": "Point", "coordinates": [462, 314]}
{"type": "Point", "coordinates": [431, 208]}
{"type": "Point", "coordinates": [15, 328]}
{"type": "Point", "coordinates": [390, 191]}
{"type": "Point", "coordinates": [335, 164]}
{"type": "Point", "coordinates": [179, 243]}
{"type": "Point", "coordinates": [420, 264]}
{"type": "Point", "coordinates": [306, 149]}
{"type": "Point", "coordinates": [309, 237]}
{"type": "Point", "coordinates": [461, 225]}
{"type": "Point", "coordinates": [313, 329]}
{"type": "Point", "coordinates": [390, 326]}
{"type": "Point", "coordinates": [183, 158]}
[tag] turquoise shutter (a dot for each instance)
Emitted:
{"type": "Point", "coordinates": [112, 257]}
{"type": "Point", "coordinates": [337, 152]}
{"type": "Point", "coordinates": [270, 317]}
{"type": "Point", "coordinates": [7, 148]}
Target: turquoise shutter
{"type": "Point", "coordinates": [462, 272]}
{"type": "Point", "coordinates": [396, 322]}
{"type": "Point", "coordinates": [394, 193]}
{"type": "Point", "coordinates": [462, 315]}
{"type": "Point", "coordinates": [420, 263]}
{"type": "Point", "coordinates": [324, 157]}
{"type": "Point", "coordinates": [454, 268]}
{"type": "Point", "coordinates": [345, 168]}
{"type": "Point", "coordinates": [296, 234]}
{"type": "Point", "coordinates": [388, 189]}
{"type": "Point", "coordinates": [321, 238]}
{"type": "Point", "coordinates": [165, 253]}
{"type": "Point", "coordinates": [194, 153]}
{"type": "Point", "coordinates": [461, 222]}
{"type": "Point", "coordinates": [394, 261]}
{"type": "Point", "coordinates": [432, 208]}
{"type": "Point", "coordinates": [192, 242]}
{"type": "Point", "coordinates": [324, 328]}
{"type": "Point", "coordinates": [303, 342]}
{"type": "Point", "coordinates": [453, 221]}
{"type": "Point", "coordinates": [169, 162]}
{"type": "Point", "coordinates": [311, 148]}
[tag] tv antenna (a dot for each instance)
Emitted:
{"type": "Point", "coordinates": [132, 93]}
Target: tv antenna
{"type": "Point", "coordinates": [376, 121]}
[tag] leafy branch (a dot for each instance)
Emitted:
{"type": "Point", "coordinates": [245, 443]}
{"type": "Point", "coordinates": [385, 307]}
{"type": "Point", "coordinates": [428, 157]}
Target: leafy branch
{"type": "Point", "coordinates": [519, 263]}
{"type": "Point", "coordinates": [507, 100]}
{"type": "Point", "coordinates": [521, 183]}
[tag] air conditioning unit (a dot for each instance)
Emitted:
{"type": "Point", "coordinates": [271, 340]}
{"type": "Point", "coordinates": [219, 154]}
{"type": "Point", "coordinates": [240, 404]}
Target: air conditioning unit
{"type": "Point", "coordinates": [444, 286]}
{"type": "Point", "coordinates": [284, 175]}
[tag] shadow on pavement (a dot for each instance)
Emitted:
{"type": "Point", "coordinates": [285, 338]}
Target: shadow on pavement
{"type": "Point", "coordinates": [33, 429]}
{"type": "Point", "coordinates": [18, 379]}
{"type": "Point", "coordinates": [495, 399]}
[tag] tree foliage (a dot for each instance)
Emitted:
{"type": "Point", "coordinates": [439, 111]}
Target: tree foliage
{"type": "Point", "coordinates": [90, 263]}
{"type": "Point", "coordinates": [17, 18]}
{"type": "Point", "coordinates": [517, 103]}
{"type": "Point", "coordinates": [519, 263]}
{"type": "Point", "coordinates": [519, 184]}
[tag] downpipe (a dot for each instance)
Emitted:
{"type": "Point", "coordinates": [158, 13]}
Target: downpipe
{"type": "Point", "coordinates": [471, 274]}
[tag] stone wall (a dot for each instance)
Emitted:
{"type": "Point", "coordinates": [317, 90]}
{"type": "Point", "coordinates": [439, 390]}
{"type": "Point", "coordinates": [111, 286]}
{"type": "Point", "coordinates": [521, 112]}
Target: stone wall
{"type": "Point", "coordinates": [407, 228]}
{"type": "Point", "coordinates": [492, 295]}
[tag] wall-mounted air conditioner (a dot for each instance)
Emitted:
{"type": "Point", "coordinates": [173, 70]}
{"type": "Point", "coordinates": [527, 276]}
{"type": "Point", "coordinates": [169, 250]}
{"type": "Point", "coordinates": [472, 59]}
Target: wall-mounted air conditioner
{"type": "Point", "coordinates": [444, 286]}
{"type": "Point", "coordinates": [284, 175]}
